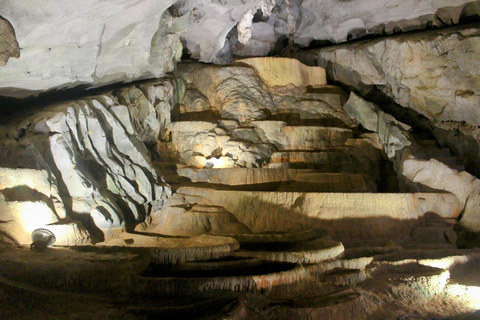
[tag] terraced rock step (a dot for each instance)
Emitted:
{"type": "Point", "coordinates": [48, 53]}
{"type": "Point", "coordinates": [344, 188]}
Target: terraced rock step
{"type": "Point", "coordinates": [195, 220]}
{"type": "Point", "coordinates": [306, 252]}
{"type": "Point", "coordinates": [357, 156]}
{"type": "Point", "coordinates": [172, 250]}
{"type": "Point", "coordinates": [307, 179]}
{"type": "Point", "coordinates": [372, 217]}
{"type": "Point", "coordinates": [301, 137]}
{"type": "Point", "coordinates": [271, 278]}
{"type": "Point", "coordinates": [255, 239]}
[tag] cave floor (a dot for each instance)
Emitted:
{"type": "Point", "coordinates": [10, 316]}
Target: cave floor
{"type": "Point", "coordinates": [61, 283]}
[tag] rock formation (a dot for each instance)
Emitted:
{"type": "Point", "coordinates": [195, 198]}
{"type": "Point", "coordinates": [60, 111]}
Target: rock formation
{"type": "Point", "coordinates": [98, 43]}
{"type": "Point", "coordinates": [92, 158]}
{"type": "Point", "coordinates": [94, 43]}
{"type": "Point", "coordinates": [432, 73]}
{"type": "Point", "coordinates": [8, 43]}
{"type": "Point", "coordinates": [246, 187]}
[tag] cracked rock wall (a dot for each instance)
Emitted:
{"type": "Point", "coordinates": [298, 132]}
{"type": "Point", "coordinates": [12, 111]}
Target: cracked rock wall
{"type": "Point", "coordinates": [96, 150]}
{"type": "Point", "coordinates": [433, 73]}
{"type": "Point", "coordinates": [68, 43]}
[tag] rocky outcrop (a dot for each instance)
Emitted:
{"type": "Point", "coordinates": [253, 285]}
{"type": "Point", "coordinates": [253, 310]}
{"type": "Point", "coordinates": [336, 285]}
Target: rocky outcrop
{"type": "Point", "coordinates": [284, 72]}
{"type": "Point", "coordinates": [373, 218]}
{"type": "Point", "coordinates": [415, 166]}
{"type": "Point", "coordinates": [92, 150]}
{"type": "Point", "coordinates": [96, 43]}
{"type": "Point", "coordinates": [393, 134]}
{"type": "Point", "coordinates": [194, 220]}
{"type": "Point", "coordinates": [8, 43]}
{"type": "Point", "coordinates": [235, 103]}
{"type": "Point", "coordinates": [432, 73]}
{"type": "Point", "coordinates": [256, 28]}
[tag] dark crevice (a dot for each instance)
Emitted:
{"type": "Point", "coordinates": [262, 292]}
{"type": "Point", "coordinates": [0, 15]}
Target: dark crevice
{"type": "Point", "coordinates": [361, 35]}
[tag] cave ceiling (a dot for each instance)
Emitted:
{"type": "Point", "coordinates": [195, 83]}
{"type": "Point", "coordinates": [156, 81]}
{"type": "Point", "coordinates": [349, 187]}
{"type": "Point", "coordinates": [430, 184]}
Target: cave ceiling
{"type": "Point", "coordinates": [52, 45]}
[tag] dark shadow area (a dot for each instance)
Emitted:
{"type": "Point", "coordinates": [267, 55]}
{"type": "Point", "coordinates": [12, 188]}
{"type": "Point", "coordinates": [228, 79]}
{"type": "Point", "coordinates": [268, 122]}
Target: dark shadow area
{"type": "Point", "coordinates": [193, 311]}
{"type": "Point", "coordinates": [470, 15]}
{"type": "Point", "coordinates": [14, 108]}
{"type": "Point", "coordinates": [235, 267]}
{"type": "Point", "coordinates": [207, 116]}
{"type": "Point", "coordinates": [293, 119]}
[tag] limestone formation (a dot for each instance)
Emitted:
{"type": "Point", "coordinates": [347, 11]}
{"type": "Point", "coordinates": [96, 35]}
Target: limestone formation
{"type": "Point", "coordinates": [236, 92]}
{"type": "Point", "coordinates": [261, 25]}
{"type": "Point", "coordinates": [439, 176]}
{"type": "Point", "coordinates": [93, 148]}
{"type": "Point", "coordinates": [287, 179]}
{"type": "Point", "coordinates": [290, 211]}
{"type": "Point", "coordinates": [392, 133]}
{"type": "Point", "coordinates": [101, 44]}
{"type": "Point", "coordinates": [287, 137]}
{"type": "Point", "coordinates": [285, 71]}
{"type": "Point", "coordinates": [431, 73]}
{"type": "Point", "coordinates": [95, 43]}
{"type": "Point", "coordinates": [8, 43]}
{"type": "Point", "coordinates": [194, 220]}
{"type": "Point", "coordinates": [416, 165]}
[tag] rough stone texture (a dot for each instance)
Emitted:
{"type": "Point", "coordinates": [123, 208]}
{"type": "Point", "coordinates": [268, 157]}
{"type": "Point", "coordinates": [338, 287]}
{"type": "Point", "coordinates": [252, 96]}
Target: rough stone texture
{"type": "Point", "coordinates": [370, 217]}
{"type": "Point", "coordinates": [437, 175]}
{"type": "Point", "coordinates": [195, 220]}
{"type": "Point", "coordinates": [208, 35]}
{"type": "Point", "coordinates": [305, 179]}
{"type": "Point", "coordinates": [98, 42]}
{"type": "Point", "coordinates": [8, 43]}
{"type": "Point", "coordinates": [70, 234]}
{"type": "Point", "coordinates": [285, 71]}
{"type": "Point", "coordinates": [237, 92]}
{"type": "Point", "coordinates": [197, 138]}
{"type": "Point", "coordinates": [94, 42]}
{"type": "Point", "coordinates": [93, 149]}
{"type": "Point", "coordinates": [338, 21]}
{"type": "Point", "coordinates": [432, 73]}
{"type": "Point", "coordinates": [392, 133]}
{"type": "Point", "coordinates": [194, 101]}
{"type": "Point", "coordinates": [408, 158]}
{"type": "Point", "coordinates": [287, 137]}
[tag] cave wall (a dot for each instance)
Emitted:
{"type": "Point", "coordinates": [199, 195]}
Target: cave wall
{"type": "Point", "coordinates": [96, 43]}
{"type": "Point", "coordinates": [91, 155]}
{"type": "Point", "coordinates": [433, 73]}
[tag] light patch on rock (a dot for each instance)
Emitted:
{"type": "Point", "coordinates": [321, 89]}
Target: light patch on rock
{"type": "Point", "coordinates": [8, 43]}
{"type": "Point", "coordinates": [285, 71]}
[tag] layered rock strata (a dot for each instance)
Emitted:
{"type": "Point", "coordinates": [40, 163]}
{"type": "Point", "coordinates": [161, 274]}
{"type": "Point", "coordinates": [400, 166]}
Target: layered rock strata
{"type": "Point", "coordinates": [432, 73]}
{"type": "Point", "coordinates": [92, 152]}
{"type": "Point", "coordinates": [419, 167]}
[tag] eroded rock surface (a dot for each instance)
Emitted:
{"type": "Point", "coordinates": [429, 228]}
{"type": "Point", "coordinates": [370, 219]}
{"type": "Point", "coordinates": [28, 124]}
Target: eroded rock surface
{"type": "Point", "coordinates": [432, 73]}
{"type": "Point", "coordinates": [92, 157]}
{"type": "Point", "coordinates": [94, 43]}
{"type": "Point", "coordinates": [260, 26]}
{"type": "Point", "coordinates": [8, 43]}
{"type": "Point", "coordinates": [415, 164]}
